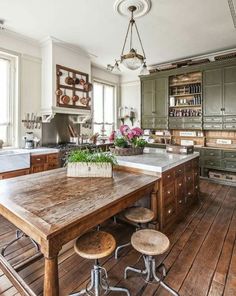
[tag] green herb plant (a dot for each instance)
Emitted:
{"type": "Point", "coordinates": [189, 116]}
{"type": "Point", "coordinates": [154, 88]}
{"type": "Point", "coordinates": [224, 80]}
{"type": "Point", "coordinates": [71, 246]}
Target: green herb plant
{"type": "Point", "coordinates": [89, 156]}
{"type": "Point", "coordinates": [121, 142]}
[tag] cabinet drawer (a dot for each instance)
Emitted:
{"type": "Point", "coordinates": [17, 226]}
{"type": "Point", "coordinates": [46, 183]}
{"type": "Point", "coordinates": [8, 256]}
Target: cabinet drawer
{"type": "Point", "coordinates": [193, 126]}
{"type": "Point", "coordinates": [14, 174]}
{"type": "Point", "coordinates": [230, 165]}
{"type": "Point", "coordinates": [229, 126]}
{"type": "Point", "coordinates": [179, 170]}
{"type": "Point", "coordinates": [169, 213]}
{"type": "Point", "coordinates": [195, 163]}
{"type": "Point", "coordinates": [212, 163]}
{"type": "Point", "coordinates": [189, 178]}
{"type": "Point", "coordinates": [179, 186]}
{"type": "Point", "coordinates": [188, 166]}
{"type": "Point", "coordinates": [37, 168]}
{"type": "Point", "coordinates": [168, 177]}
{"type": "Point", "coordinates": [38, 159]}
{"type": "Point", "coordinates": [189, 196]}
{"type": "Point", "coordinates": [180, 202]}
{"type": "Point", "coordinates": [208, 126]}
{"type": "Point", "coordinates": [212, 153]}
{"type": "Point", "coordinates": [52, 158]}
{"type": "Point", "coordinates": [229, 154]}
{"type": "Point", "coordinates": [169, 194]}
{"type": "Point", "coordinates": [214, 119]}
{"type": "Point", "coordinates": [229, 119]}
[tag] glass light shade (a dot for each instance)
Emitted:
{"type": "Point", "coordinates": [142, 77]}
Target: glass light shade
{"type": "Point", "coordinates": [116, 68]}
{"type": "Point", "coordinates": [144, 70]}
{"type": "Point", "coordinates": [132, 60]}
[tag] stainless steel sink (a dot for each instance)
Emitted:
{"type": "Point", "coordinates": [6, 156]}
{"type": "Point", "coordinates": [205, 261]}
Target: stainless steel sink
{"type": "Point", "coordinates": [14, 159]}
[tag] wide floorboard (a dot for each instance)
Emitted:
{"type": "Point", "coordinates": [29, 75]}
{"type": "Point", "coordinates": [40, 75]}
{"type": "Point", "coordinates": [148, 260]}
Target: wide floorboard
{"type": "Point", "coordinates": [201, 260]}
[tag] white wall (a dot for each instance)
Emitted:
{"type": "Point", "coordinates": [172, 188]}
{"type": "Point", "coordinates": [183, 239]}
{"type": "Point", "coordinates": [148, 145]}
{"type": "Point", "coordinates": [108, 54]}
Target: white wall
{"type": "Point", "coordinates": [29, 55]}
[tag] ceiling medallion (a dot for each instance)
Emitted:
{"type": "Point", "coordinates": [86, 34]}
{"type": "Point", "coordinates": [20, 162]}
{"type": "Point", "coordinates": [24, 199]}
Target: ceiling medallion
{"type": "Point", "coordinates": [142, 7]}
{"type": "Point", "coordinates": [132, 59]}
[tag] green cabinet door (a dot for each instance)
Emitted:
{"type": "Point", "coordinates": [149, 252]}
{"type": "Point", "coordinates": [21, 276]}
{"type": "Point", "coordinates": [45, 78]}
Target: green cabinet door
{"type": "Point", "coordinates": [161, 97]}
{"type": "Point", "coordinates": [212, 92]}
{"type": "Point", "coordinates": [148, 97]}
{"type": "Point", "coordinates": [230, 90]}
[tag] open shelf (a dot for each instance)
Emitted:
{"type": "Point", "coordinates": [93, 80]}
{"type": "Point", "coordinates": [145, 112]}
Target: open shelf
{"type": "Point", "coordinates": [186, 106]}
{"type": "Point", "coordinates": [186, 95]}
{"type": "Point", "coordinates": [185, 83]}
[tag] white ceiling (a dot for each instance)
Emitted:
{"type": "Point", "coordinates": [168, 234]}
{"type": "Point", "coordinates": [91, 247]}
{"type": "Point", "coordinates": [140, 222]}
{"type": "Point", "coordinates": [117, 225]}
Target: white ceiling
{"type": "Point", "coordinates": [173, 29]}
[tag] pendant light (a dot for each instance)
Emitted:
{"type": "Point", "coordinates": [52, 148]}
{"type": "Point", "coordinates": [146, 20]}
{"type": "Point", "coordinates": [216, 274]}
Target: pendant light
{"type": "Point", "coordinates": [131, 60]}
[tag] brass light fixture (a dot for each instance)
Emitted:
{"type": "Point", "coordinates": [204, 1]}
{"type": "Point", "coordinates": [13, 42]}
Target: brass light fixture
{"type": "Point", "coordinates": [131, 60]}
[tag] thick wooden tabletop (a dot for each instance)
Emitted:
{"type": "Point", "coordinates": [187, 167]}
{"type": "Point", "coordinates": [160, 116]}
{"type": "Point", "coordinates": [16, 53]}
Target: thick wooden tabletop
{"type": "Point", "coordinates": [50, 202]}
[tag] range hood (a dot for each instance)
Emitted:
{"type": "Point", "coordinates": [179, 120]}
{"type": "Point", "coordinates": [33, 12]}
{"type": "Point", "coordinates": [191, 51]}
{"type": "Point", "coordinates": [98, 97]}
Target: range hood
{"type": "Point", "coordinates": [56, 52]}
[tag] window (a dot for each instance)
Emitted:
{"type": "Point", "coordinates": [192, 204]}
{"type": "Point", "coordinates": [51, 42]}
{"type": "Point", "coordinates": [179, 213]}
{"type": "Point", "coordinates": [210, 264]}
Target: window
{"type": "Point", "coordinates": [7, 79]}
{"type": "Point", "coordinates": [103, 108]}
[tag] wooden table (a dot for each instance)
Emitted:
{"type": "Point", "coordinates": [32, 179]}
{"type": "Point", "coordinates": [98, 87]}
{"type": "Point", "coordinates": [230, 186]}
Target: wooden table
{"type": "Point", "coordinates": [53, 209]}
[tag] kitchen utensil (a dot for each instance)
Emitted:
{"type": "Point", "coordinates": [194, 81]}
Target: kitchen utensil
{"type": "Point", "coordinates": [75, 98]}
{"type": "Point", "coordinates": [82, 82]}
{"type": "Point", "coordinates": [69, 80]}
{"type": "Point", "coordinates": [65, 99]}
{"type": "Point", "coordinates": [58, 92]}
{"type": "Point", "coordinates": [84, 101]}
{"type": "Point", "coordinates": [76, 80]}
{"type": "Point", "coordinates": [88, 86]}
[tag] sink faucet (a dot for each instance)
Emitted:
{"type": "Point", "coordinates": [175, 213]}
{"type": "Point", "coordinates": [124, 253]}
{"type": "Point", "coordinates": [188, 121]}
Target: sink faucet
{"type": "Point", "coordinates": [1, 143]}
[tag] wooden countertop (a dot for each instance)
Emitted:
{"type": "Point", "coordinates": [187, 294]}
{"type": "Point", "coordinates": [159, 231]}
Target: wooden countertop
{"type": "Point", "coordinates": [50, 201]}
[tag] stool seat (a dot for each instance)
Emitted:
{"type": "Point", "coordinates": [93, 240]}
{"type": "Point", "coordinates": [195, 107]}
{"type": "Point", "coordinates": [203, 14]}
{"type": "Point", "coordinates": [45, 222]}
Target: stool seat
{"type": "Point", "coordinates": [95, 245]}
{"type": "Point", "coordinates": [150, 242]}
{"type": "Point", "coordinates": [139, 215]}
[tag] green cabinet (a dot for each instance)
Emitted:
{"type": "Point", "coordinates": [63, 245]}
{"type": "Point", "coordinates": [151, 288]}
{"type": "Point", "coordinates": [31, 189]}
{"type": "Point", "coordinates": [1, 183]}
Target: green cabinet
{"type": "Point", "coordinates": [212, 92]}
{"type": "Point", "coordinates": [154, 103]}
{"type": "Point", "coordinates": [229, 91]}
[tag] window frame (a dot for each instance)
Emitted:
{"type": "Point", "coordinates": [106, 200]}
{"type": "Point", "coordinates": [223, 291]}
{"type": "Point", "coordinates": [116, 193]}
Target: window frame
{"type": "Point", "coordinates": [12, 127]}
{"type": "Point", "coordinates": [105, 83]}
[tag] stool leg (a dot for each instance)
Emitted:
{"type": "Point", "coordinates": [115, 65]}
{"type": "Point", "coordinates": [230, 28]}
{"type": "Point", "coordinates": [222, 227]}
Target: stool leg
{"type": "Point", "coordinates": [119, 248]}
{"type": "Point", "coordinates": [118, 289]}
{"type": "Point", "coordinates": [164, 285]}
{"type": "Point", "coordinates": [19, 235]}
{"type": "Point", "coordinates": [133, 269]}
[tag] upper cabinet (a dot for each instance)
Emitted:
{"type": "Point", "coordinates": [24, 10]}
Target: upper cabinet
{"type": "Point", "coordinates": [229, 90]}
{"type": "Point", "coordinates": [212, 92]}
{"type": "Point", "coordinates": [154, 103]}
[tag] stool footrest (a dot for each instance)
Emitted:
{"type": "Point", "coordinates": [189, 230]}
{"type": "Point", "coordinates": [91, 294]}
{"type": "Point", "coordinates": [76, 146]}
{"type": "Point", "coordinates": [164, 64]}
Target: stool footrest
{"type": "Point", "coordinates": [150, 272]}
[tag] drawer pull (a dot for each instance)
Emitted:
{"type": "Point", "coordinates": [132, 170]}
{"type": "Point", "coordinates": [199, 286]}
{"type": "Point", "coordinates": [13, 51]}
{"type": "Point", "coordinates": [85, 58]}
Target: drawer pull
{"type": "Point", "coordinates": [168, 176]}
{"type": "Point", "coordinates": [189, 193]}
{"type": "Point", "coordinates": [212, 154]}
{"type": "Point", "coordinates": [168, 192]}
{"type": "Point", "coordinates": [180, 184]}
{"type": "Point", "coordinates": [196, 187]}
{"type": "Point", "coordinates": [180, 201]}
{"type": "Point", "coordinates": [169, 211]}
{"type": "Point", "coordinates": [189, 178]}
{"type": "Point", "coordinates": [38, 159]}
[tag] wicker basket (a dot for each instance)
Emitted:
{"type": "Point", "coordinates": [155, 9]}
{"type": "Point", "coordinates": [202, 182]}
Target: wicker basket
{"type": "Point", "coordinates": [127, 151]}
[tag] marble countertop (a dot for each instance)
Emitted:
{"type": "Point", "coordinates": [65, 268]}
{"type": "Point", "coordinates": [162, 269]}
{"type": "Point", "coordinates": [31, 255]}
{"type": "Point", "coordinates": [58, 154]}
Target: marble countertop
{"type": "Point", "coordinates": [155, 159]}
{"type": "Point", "coordinates": [42, 150]}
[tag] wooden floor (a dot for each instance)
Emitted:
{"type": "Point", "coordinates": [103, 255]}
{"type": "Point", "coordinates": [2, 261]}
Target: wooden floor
{"type": "Point", "coordinates": [201, 260]}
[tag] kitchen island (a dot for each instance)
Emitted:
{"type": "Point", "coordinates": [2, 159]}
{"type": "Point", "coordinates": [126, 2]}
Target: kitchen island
{"type": "Point", "coordinates": [179, 184]}
{"type": "Point", "coordinates": [53, 209]}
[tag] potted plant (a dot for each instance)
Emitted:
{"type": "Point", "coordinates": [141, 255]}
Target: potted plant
{"type": "Point", "coordinates": [83, 163]}
{"type": "Point", "coordinates": [128, 141]}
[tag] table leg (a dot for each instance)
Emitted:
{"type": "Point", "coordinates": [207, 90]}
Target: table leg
{"type": "Point", "coordinates": [51, 281]}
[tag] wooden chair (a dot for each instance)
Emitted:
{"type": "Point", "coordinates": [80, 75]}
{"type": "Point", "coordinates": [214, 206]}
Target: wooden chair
{"type": "Point", "coordinates": [151, 243]}
{"type": "Point", "coordinates": [138, 215]}
{"type": "Point", "coordinates": [96, 245]}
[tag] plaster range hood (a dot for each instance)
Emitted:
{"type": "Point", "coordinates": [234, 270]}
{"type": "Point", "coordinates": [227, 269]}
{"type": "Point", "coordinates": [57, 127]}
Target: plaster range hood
{"type": "Point", "coordinates": [56, 52]}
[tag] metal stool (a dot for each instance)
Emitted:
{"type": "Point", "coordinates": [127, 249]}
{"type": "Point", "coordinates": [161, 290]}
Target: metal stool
{"type": "Point", "coordinates": [150, 243]}
{"type": "Point", "coordinates": [96, 245]}
{"type": "Point", "coordinates": [19, 234]}
{"type": "Point", "coordinates": [139, 216]}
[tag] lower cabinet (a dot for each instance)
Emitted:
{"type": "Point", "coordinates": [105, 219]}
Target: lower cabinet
{"type": "Point", "coordinates": [179, 190]}
{"type": "Point", "coordinates": [45, 162]}
{"type": "Point", "coordinates": [39, 163]}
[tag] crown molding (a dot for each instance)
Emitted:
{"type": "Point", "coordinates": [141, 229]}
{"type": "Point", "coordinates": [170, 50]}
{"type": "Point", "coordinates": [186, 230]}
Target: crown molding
{"type": "Point", "coordinates": [74, 48]}
{"type": "Point", "coordinates": [20, 37]}
{"type": "Point", "coordinates": [210, 56]}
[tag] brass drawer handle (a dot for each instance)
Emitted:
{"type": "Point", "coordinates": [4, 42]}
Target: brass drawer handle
{"type": "Point", "coordinates": [180, 184]}
{"type": "Point", "coordinates": [169, 211]}
{"type": "Point", "coordinates": [168, 176]}
{"type": "Point", "coordinates": [196, 187]}
{"type": "Point", "coordinates": [180, 201]}
{"type": "Point", "coordinates": [38, 159]}
{"type": "Point", "coordinates": [168, 192]}
{"type": "Point", "coordinates": [189, 193]}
